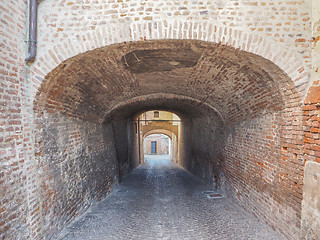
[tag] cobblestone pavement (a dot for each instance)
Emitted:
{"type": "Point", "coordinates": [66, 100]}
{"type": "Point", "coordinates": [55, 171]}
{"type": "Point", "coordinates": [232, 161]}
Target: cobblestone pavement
{"type": "Point", "coordinates": [160, 200]}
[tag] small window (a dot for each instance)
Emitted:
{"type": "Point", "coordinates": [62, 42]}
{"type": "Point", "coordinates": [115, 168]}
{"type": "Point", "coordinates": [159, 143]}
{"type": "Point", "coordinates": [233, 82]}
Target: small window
{"type": "Point", "coordinates": [156, 114]}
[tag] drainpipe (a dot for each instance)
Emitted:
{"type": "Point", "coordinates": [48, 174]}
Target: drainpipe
{"type": "Point", "coordinates": [32, 51]}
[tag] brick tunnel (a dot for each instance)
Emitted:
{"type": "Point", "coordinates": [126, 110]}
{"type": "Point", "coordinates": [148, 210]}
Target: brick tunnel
{"type": "Point", "coordinates": [232, 106]}
{"type": "Point", "coordinates": [243, 78]}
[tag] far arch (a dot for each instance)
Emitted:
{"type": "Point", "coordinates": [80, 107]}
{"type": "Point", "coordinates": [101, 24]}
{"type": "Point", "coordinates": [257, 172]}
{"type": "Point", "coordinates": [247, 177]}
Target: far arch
{"type": "Point", "coordinates": [159, 131]}
{"type": "Point", "coordinates": [162, 129]}
{"type": "Point", "coordinates": [174, 137]}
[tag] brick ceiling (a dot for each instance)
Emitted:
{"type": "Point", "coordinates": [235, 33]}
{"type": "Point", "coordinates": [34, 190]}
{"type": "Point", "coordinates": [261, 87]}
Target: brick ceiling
{"type": "Point", "coordinates": [239, 85]}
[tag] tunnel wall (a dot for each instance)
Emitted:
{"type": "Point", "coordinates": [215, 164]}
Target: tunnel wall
{"type": "Point", "coordinates": [263, 164]}
{"type": "Point", "coordinates": [123, 132]}
{"type": "Point", "coordinates": [251, 165]}
{"type": "Point", "coordinates": [207, 138]}
{"type": "Point", "coordinates": [137, 143]}
{"type": "Point", "coordinates": [185, 139]}
{"type": "Point", "coordinates": [76, 165]}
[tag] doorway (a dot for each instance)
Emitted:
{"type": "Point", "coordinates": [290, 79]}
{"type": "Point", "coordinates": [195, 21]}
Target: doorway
{"type": "Point", "coordinates": [153, 147]}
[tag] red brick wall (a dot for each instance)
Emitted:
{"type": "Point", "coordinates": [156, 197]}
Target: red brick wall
{"type": "Point", "coordinates": [263, 165]}
{"type": "Point", "coordinates": [263, 162]}
{"type": "Point", "coordinates": [311, 121]}
{"type": "Point", "coordinates": [311, 125]}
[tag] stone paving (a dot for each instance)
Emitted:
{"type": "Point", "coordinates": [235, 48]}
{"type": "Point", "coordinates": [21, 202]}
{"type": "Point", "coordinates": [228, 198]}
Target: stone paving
{"type": "Point", "coordinates": [160, 200]}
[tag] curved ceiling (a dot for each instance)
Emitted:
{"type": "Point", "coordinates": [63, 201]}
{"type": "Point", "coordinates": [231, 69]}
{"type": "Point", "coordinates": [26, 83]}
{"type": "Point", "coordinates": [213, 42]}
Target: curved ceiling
{"type": "Point", "coordinates": [238, 85]}
{"type": "Point", "coordinates": [180, 105]}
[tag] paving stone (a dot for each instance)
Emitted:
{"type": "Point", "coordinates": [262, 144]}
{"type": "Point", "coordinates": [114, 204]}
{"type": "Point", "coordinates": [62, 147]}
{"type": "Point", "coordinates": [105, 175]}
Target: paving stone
{"type": "Point", "coordinates": [160, 200]}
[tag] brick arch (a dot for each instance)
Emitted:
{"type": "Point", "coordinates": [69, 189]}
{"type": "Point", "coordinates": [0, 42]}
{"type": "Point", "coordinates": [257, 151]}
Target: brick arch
{"type": "Point", "coordinates": [161, 30]}
{"type": "Point", "coordinates": [287, 139]}
{"type": "Point", "coordinates": [155, 97]}
{"type": "Point", "coordinates": [175, 148]}
{"type": "Point", "coordinates": [102, 74]}
{"type": "Point", "coordinates": [158, 131]}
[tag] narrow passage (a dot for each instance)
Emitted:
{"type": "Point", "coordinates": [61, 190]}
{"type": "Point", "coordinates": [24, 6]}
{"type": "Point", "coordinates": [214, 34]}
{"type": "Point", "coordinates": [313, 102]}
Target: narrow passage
{"type": "Point", "coordinates": [160, 200]}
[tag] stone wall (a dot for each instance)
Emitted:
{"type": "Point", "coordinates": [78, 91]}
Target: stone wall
{"type": "Point", "coordinates": [286, 23]}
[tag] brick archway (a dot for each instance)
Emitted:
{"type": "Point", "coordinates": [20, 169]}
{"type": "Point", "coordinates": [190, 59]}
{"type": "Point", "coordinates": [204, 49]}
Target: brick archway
{"type": "Point", "coordinates": [158, 131]}
{"type": "Point", "coordinates": [254, 102]}
{"type": "Point", "coordinates": [121, 33]}
{"type": "Point", "coordinates": [174, 138]}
